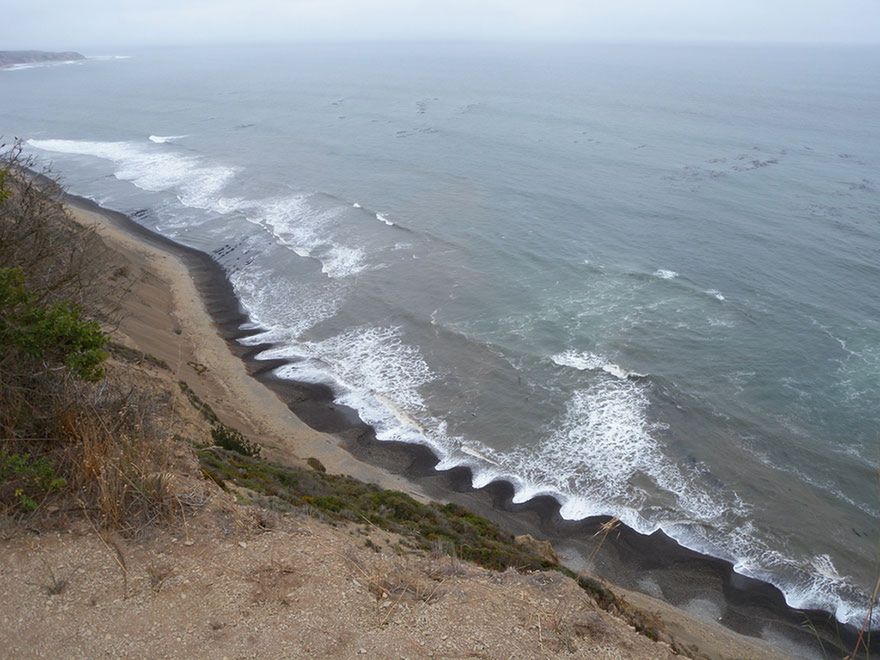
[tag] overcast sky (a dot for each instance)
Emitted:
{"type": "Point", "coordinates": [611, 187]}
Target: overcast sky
{"type": "Point", "coordinates": [86, 24]}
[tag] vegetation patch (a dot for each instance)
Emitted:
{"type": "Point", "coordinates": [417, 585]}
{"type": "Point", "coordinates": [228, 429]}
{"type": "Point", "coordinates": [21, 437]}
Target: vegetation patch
{"type": "Point", "coordinates": [427, 527]}
{"type": "Point", "coordinates": [341, 498]}
{"type": "Point", "coordinates": [133, 356]}
{"type": "Point", "coordinates": [47, 333]}
{"type": "Point", "coordinates": [206, 411]}
{"type": "Point", "coordinates": [68, 432]}
{"type": "Point", "coordinates": [25, 480]}
{"type": "Point", "coordinates": [232, 440]}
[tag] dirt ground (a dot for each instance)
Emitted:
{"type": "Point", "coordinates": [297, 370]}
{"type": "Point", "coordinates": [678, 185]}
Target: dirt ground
{"type": "Point", "coordinates": [237, 584]}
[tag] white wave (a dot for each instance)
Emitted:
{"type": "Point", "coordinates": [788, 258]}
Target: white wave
{"type": "Point", "coordinates": [356, 205]}
{"type": "Point", "coordinates": [665, 274]}
{"type": "Point", "coordinates": [595, 456]}
{"type": "Point", "coordinates": [374, 372]}
{"type": "Point", "coordinates": [807, 582]}
{"type": "Point", "coordinates": [594, 459]}
{"type": "Point", "coordinates": [378, 360]}
{"type": "Point", "coordinates": [715, 293]}
{"type": "Point", "coordinates": [382, 218]}
{"type": "Point", "coordinates": [586, 361]}
{"type": "Point", "coordinates": [38, 65]}
{"type": "Point", "coordinates": [197, 185]}
{"type": "Point", "coordinates": [284, 308]}
{"type": "Point", "coordinates": [165, 139]}
{"type": "Point", "coordinates": [292, 220]}
{"type": "Point", "coordinates": [308, 232]}
{"type": "Point", "coordinates": [342, 261]}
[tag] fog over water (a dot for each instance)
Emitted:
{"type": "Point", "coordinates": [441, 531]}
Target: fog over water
{"type": "Point", "coordinates": [90, 24]}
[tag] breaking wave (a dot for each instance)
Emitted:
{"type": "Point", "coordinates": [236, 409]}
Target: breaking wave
{"type": "Point", "coordinates": [165, 139]}
{"type": "Point", "coordinates": [197, 185]}
{"type": "Point", "coordinates": [586, 361]}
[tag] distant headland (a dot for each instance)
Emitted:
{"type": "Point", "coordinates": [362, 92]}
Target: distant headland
{"type": "Point", "coordinates": [15, 57]}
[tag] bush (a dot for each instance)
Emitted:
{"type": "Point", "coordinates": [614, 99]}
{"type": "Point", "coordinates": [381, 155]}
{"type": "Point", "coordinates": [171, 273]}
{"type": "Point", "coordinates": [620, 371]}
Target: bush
{"type": "Point", "coordinates": [51, 334]}
{"type": "Point", "coordinates": [233, 440]}
{"type": "Point", "coordinates": [67, 430]}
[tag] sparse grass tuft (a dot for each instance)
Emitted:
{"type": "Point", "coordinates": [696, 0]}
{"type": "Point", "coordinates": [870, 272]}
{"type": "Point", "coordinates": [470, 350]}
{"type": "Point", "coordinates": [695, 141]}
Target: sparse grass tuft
{"type": "Point", "coordinates": [132, 356]}
{"type": "Point", "coordinates": [206, 411]}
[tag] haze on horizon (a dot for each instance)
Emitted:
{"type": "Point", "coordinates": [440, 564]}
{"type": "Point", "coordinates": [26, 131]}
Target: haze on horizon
{"type": "Point", "coordinates": [89, 24]}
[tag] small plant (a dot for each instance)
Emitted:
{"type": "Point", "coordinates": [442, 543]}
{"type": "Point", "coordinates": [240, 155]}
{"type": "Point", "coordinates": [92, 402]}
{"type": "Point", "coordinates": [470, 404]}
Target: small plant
{"type": "Point", "coordinates": [231, 439]}
{"type": "Point", "coordinates": [206, 410]}
{"type": "Point", "coordinates": [26, 478]}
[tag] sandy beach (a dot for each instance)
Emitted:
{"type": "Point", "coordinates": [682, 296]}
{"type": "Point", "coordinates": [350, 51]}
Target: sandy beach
{"type": "Point", "coordinates": [166, 316]}
{"type": "Point", "coordinates": [182, 310]}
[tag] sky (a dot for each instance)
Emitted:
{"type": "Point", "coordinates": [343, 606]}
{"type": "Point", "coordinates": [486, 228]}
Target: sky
{"type": "Point", "coordinates": [84, 24]}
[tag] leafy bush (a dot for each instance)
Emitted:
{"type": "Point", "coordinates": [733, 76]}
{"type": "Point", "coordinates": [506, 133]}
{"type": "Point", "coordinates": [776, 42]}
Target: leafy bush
{"type": "Point", "coordinates": [52, 334]}
{"type": "Point", "coordinates": [233, 440]}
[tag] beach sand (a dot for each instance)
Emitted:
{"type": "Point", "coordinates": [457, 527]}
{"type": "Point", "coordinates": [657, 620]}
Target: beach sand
{"type": "Point", "coordinates": [181, 310]}
{"type": "Point", "coordinates": [166, 317]}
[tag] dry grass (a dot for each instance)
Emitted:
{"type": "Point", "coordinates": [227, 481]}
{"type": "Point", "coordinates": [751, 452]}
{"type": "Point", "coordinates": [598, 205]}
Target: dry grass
{"type": "Point", "coordinates": [118, 463]}
{"type": "Point", "coordinates": [102, 446]}
{"type": "Point", "coordinates": [111, 445]}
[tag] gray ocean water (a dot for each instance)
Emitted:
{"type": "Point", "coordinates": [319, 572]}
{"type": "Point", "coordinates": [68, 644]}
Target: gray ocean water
{"type": "Point", "coordinates": [644, 279]}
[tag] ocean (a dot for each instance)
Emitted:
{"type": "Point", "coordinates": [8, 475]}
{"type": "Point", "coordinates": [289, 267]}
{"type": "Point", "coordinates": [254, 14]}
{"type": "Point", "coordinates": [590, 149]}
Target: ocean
{"type": "Point", "coordinates": [643, 279]}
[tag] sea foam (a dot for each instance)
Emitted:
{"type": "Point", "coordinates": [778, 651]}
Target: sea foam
{"type": "Point", "coordinates": [165, 139]}
{"type": "Point", "coordinates": [308, 231]}
{"type": "Point", "coordinates": [197, 185]}
{"type": "Point", "coordinates": [586, 361]}
{"type": "Point", "coordinates": [292, 220]}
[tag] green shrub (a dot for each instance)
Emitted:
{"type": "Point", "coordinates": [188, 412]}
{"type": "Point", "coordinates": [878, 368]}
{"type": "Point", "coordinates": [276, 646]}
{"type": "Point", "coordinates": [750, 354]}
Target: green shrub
{"type": "Point", "coordinates": [52, 334]}
{"type": "Point", "coordinates": [342, 498]}
{"type": "Point", "coordinates": [233, 440]}
{"type": "Point", "coordinates": [25, 478]}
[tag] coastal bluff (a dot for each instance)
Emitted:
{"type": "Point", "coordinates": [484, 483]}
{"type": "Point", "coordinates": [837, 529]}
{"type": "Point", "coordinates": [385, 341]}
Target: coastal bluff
{"type": "Point", "coordinates": [14, 57]}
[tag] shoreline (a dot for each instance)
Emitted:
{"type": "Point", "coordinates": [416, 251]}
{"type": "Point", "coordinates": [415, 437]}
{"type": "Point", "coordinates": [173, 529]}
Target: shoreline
{"type": "Point", "coordinates": [701, 587]}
